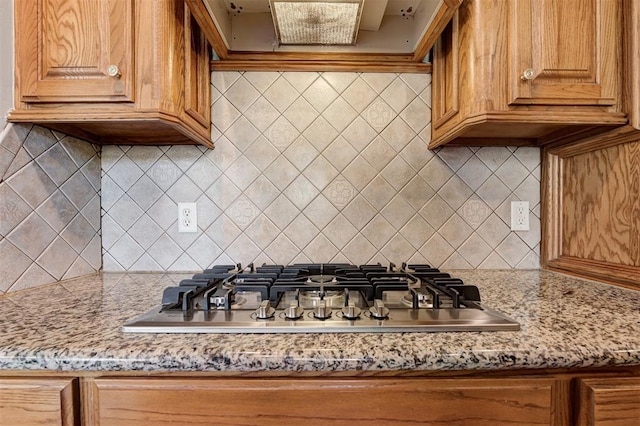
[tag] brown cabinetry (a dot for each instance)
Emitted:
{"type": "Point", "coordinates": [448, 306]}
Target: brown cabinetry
{"type": "Point", "coordinates": [113, 71]}
{"type": "Point", "coordinates": [38, 401]}
{"type": "Point", "coordinates": [525, 72]}
{"type": "Point", "coordinates": [610, 402]}
{"type": "Point", "coordinates": [329, 401]}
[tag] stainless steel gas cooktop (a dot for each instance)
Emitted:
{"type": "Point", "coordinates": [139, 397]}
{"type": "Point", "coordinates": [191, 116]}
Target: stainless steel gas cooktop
{"type": "Point", "coordinates": [318, 298]}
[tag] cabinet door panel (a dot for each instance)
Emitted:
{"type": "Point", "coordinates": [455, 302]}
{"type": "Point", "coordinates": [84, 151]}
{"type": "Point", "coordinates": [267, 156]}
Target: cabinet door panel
{"type": "Point", "coordinates": [569, 46]}
{"type": "Point", "coordinates": [610, 402]}
{"type": "Point", "coordinates": [79, 40]}
{"type": "Point", "coordinates": [37, 402]}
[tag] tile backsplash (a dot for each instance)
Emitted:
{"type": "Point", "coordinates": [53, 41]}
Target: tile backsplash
{"type": "Point", "coordinates": [321, 167]}
{"type": "Point", "coordinates": [49, 207]}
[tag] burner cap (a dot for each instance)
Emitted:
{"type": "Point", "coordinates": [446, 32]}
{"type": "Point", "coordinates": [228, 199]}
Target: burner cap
{"type": "Point", "coordinates": [321, 279]}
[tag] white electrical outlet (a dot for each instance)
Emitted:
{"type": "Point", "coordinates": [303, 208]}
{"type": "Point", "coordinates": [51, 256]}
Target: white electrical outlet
{"type": "Point", "coordinates": [187, 217]}
{"type": "Point", "coordinates": [519, 215]}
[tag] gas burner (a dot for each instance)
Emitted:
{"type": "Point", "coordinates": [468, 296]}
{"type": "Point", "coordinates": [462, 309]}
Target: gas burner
{"type": "Point", "coordinates": [311, 297]}
{"type": "Point", "coordinates": [321, 279]}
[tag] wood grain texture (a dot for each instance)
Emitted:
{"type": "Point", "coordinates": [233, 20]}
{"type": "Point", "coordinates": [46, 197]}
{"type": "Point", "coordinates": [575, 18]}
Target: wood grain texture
{"type": "Point", "coordinates": [66, 47]}
{"type": "Point", "coordinates": [328, 65]}
{"type": "Point", "coordinates": [577, 85]}
{"type": "Point", "coordinates": [321, 401]}
{"type": "Point", "coordinates": [157, 43]}
{"type": "Point", "coordinates": [38, 401]}
{"type": "Point", "coordinates": [601, 205]}
{"type": "Point", "coordinates": [609, 402]}
{"type": "Point", "coordinates": [571, 46]}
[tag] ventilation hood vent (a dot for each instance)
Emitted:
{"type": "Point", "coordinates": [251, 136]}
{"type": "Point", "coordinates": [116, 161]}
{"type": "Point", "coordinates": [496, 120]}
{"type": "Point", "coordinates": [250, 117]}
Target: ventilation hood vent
{"type": "Point", "coordinates": [323, 34]}
{"type": "Point", "coordinates": [316, 22]}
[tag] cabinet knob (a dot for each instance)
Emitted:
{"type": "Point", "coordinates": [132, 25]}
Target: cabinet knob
{"type": "Point", "coordinates": [113, 71]}
{"type": "Point", "coordinates": [528, 74]}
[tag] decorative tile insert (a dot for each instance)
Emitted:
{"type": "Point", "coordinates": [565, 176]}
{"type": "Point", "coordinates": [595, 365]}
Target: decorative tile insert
{"type": "Point", "coordinates": [318, 167]}
{"type": "Point", "coordinates": [49, 206]}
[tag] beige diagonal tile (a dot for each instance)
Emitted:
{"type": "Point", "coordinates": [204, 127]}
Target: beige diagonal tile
{"type": "Point", "coordinates": [301, 153]}
{"type": "Point", "coordinates": [300, 114]}
{"type": "Point", "coordinates": [320, 133]}
{"type": "Point", "coordinates": [417, 231]}
{"type": "Point", "coordinates": [242, 94]}
{"type": "Point", "coordinates": [340, 231]}
{"type": "Point", "coordinates": [359, 250]}
{"type": "Point", "coordinates": [281, 211]}
{"type": "Point", "coordinates": [320, 94]}
{"type": "Point", "coordinates": [379, 114]}
{"type": "Point", "coordinates": [339, 80]}
{"type": "Point", "coordinates": [281, 173]}
{"type": "Point", "coordinates": [320, 211]}
{"type": "Point", "coordinates": [417, 192]}
{"type": "Point", "coordinates": [301, 192]}
{"type": "Point", "coordinates": [398, 95]}
{"type": "Point", "coordinates": [340, 192]}
{"type": "Point", "coordinates": [262, 153]}
{"type": "Point", "coordinates": [359, 95]}
{"type": "Point", "coordinates": [378, 192]}
{"type": "Point", "coordinates": [359, 212]}
{"type": "Point", "coordinates": [340, 153]}
{"type": "Point", "coordinates": [281, 94]}
{"type": "Point", "coordinates": [320, 172]}
{"type": "Point", "coordinates": [262, 114]}
{"type": "Point", "coordinates": [301, 231]}
{"type": "Point", "coordinates": [378, 231]}
{"type": "Point", "coordinates": [340, 114]}
{"type": "Point", "coordinates": [378, 81]}
{"type": "Point", "coordinates": [416, 115]}
{"type": "Point", "coordinates": [359, 173]}
{"type": "Point", "coordinates": [398, 212]}
{"type": "Point", "coordinates": [398, 173]}
{"type": "Point", "coordinates": [321, 249]}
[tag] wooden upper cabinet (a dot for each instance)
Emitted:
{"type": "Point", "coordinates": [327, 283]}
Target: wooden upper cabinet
{"type": "Point", "coordinates": [113, 71]}
{"type": "Point", "coordinates": [70, 48]}
{"type": "Point", "coordinates": [527, 72]}
{"type": "Point", "coordinates": [563, 52]}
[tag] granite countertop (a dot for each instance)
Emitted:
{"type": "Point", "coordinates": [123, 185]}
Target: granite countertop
{"type": "Point", "coordinates": [76, 325]}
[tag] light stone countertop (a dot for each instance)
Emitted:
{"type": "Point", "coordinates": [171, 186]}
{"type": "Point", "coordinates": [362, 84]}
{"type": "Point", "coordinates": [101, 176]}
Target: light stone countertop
{"type": "Point", "coordinates": [76, 325]}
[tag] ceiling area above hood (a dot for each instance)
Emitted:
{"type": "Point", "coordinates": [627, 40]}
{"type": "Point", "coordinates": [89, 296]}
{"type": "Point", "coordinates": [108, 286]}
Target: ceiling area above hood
{"type": "Point", "coordinates": [392, 35]}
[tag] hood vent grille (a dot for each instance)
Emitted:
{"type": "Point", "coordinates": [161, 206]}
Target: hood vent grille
{"type": "Point", "coordinates": [316, 22]}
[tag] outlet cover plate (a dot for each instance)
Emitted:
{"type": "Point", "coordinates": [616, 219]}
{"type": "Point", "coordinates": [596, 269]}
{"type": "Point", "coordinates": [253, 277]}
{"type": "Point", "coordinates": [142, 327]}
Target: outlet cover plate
{"type": "Point", "coordinates": [187, 217]}
{"type": "Point", "coordinates": [519, 215]}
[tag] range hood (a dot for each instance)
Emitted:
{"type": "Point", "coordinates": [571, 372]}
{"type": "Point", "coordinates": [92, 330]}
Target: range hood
{"type": "Point", "coordinates": [248, 34]}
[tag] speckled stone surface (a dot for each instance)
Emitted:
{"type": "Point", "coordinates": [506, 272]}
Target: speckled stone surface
{"type": "Point", "coordinates": [76, 325]}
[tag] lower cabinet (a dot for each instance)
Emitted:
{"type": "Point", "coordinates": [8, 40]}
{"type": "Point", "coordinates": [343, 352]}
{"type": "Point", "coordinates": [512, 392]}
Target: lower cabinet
{"type": "Point", "coordinates": [545, 398]}
{"type": "Point", "coordinates": [610, 402]}
{"type": "Point", "coordinates": [322, 401]}
{"type": "Point", "coordinates": [39, 401]}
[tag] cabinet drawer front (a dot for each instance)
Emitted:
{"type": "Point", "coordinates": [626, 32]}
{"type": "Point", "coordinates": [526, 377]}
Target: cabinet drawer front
{"type": "Point", "coordinates": [37, 402]}
{"type": "Point", "coordinates": [66, 47]}
{"type": "Point", "coordinates": [610, 402]}
{"type": "Point", "coordinates": [316, 401]}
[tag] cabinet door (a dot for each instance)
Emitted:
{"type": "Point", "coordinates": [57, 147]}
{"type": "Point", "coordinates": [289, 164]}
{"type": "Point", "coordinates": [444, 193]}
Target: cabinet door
{"type": "Point", "coordinates": [124, 402]}
{"type": "Point", "coordinates": [37, 402]}
{"type": "Point", "coordinates": [64, 49]}
{"type": "Point", "coordinates": [197, 91]}
{"type": "Point", "coordinates": [610, 402]}
{"type": "Point", "coordinates": [563, 52]}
